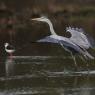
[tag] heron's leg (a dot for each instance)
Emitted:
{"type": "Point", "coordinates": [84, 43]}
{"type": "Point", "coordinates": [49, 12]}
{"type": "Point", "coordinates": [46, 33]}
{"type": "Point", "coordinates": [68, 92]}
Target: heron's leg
{"type": "Point", "coordinates": [64, 47]}
{"type": "Point", "coordinates": [74, 59]}
{"type": "Point", "coordinates": [81, 57]}
{"type": "Point", "coordinates": [87, 64]}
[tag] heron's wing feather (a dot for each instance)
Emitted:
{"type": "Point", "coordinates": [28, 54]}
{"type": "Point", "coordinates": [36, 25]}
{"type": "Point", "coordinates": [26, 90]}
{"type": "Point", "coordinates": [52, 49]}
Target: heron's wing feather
{"type": "Point", "coordinates": [88, 55]}
{"type": "Point", "coordinates": [78, 36]}
{"type": "Point", "coordinates": [48, 39]}
{"type": "Point", "coordinates": [71, 29]}
{"type": "Point", "coordinates": [69, 46]}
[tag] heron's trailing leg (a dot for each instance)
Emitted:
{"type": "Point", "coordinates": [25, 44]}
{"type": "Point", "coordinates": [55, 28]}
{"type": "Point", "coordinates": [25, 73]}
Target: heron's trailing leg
{"type": "Point", "coordinates": [64, 47]}
{"type": "Point", "coordinates": [87, 65]}
{"type": "Point", "coordinates": [81, 57]}
{"type": "Point", "coordinates": [71, 54]}
{"type": "Point", "coordinates": [74, 59]}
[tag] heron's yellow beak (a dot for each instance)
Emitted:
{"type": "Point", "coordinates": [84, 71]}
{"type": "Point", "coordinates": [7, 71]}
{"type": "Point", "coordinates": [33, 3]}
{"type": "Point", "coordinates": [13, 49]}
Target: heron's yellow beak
{"type": "Point", "coordinates": [34, 19]}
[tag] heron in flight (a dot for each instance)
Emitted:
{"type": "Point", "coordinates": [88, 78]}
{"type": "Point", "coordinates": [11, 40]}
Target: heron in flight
{"type": "Point", "coordinates": [9, 49]}
{"type": "Point", "coordinates": [66, 43]}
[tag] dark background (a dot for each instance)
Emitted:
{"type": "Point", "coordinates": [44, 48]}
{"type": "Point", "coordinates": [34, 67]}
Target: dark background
{"type": "Point", "coordinates": [17, 29]}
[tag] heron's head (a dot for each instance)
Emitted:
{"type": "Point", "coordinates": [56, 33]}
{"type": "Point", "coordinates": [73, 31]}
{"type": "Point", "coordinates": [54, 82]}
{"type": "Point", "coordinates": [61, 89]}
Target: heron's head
{"type": "Point", "coordinates": [42, 18]}
{"type": "Point", "coordinates": [6, 44]}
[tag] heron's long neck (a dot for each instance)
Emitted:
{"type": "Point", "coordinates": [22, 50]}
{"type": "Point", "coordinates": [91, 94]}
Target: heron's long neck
{"type": "Point", "coordinates": [51, 27]}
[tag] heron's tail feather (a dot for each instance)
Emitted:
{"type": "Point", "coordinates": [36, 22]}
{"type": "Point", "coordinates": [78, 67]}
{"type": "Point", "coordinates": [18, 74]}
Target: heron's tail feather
{"type": "Point", "coordinates": [41, 40]}
{"type": "Point", "coordinates": [87, 55]}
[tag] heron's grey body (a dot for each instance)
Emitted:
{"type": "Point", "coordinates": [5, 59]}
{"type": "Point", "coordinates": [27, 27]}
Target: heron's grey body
{"type": "Point", "coordinates": [65, 42]}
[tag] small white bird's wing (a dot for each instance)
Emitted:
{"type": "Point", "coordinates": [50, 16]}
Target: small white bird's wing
{"type": "Point", "coordinates": [10, 47]}
{"type": "Point", "coordinates": [48, 39]}
{"type": "Point", "coordinates": [79, 37]}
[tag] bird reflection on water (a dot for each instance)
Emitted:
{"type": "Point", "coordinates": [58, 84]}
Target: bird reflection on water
{"type": "Point", "coordinates": [9, 66]}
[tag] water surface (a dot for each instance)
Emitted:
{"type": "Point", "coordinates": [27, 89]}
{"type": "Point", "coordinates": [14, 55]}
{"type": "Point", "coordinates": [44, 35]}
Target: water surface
{"type": "Point", "coordinates": [45, 75]}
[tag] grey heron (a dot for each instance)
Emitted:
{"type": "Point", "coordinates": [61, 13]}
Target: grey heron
{"type": "Point", "coordinates": [66, 43]}
{"type": "Point", "coordinates": [9, 49]}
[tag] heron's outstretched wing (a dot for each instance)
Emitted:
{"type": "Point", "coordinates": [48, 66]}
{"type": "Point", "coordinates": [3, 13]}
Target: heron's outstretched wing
{"type": "Point", "coordinates": [66, 44]}
{"type": "Point", "coordinates": [48, 39]}
{"type": "Point", "coordinates": [79, 37]}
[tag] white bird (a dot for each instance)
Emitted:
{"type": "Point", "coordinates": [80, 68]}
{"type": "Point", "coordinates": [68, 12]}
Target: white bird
{"type": "Point", "coordinates": [9, 49]}
{"type": "Point", "coordinates": [66, 43]}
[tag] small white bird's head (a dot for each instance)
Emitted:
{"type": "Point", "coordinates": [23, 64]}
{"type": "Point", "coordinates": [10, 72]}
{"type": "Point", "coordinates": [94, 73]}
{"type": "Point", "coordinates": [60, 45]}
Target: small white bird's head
{"type": "Point", "coordinates": [42, 18]}
{"type": "Point", "coordinates": [6, 44]}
